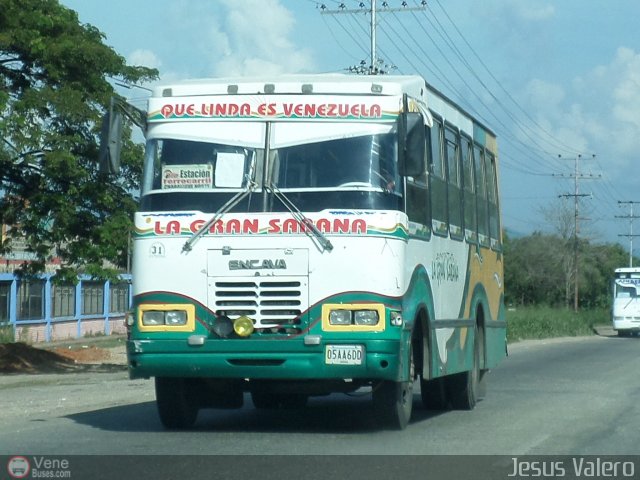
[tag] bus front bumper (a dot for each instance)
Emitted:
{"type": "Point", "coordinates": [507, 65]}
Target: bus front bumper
{"type": "Point", "coordinates": [242, 359]}
{"type": "Point", "coordinates": [627, 324]}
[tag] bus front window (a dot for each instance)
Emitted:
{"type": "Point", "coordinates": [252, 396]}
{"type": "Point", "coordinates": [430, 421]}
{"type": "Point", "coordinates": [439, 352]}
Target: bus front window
{"type": "Point", "coordinates": [625, 291]}
{"type": "Point", "coordinates": [362, 161]}
{"type": "Point", "coordinates": [174, 164]}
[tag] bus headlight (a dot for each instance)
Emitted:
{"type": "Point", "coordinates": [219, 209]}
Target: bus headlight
{"type": "Point", "coordinates": [164, 317]}
{"type": "Point", "coordinates": [175, 317]}
{"type": "Point", "coordinates": [366, 317]}
{"type": "Point", "coordinates": [353, 317]}
{"type": "Point", "coordinates": [340, 317]}
{"type": "Point", "coordinates": [153, 317]}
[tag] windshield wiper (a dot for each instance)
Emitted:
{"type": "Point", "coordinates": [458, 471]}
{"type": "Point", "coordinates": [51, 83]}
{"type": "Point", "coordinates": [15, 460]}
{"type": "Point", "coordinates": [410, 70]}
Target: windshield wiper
{"type": "Point", "coordinates": [237, 198]}
{"type": "Point", "coordinates": [305, 222]}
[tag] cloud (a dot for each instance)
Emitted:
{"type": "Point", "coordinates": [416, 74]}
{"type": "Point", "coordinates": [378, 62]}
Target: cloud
{"type": "Point", "coordinates": [229, 38]}
{"type": "Point", "coordinates": [626, 93]}
{"type": "Point", "coordinates": [526, 11]}
{"type": "Point", "coordinates": [597, 112]}
{"type": "Point", "coordinates": [234, 38]}
{"type": "Point", "coordinates": [145, 58]}
{"type": "Point", "coordinates": [257, 40]}
{"type": "Point", "coordinates": [519, 10]}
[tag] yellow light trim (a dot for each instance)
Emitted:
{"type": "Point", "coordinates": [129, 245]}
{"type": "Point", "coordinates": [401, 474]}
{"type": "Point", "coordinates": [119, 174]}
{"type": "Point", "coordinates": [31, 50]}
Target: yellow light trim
{"type": "Point", "coordinates": [190, 326]}
{"type": "Point", "coordinates": [378, 307]}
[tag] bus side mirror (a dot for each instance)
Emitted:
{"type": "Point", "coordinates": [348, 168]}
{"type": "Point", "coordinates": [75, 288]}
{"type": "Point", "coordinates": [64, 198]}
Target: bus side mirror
{"type": "Point", "coordinates": [411, 145]}
{"type": "Point", "coordinates": [111, 140]}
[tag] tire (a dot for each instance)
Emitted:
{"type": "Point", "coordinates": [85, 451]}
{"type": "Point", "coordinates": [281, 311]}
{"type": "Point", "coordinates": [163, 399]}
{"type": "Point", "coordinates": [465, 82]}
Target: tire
{"type": "Point", "coordinates": [463, 388]}
{"type": "Point", "coordinates": [434, 394]}
{"type": "Point", "coordinates": [176, 403]}
{"type": "Point", "coordinates": [393, 401]}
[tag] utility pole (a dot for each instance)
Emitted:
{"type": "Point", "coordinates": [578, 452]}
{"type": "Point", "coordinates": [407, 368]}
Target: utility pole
{"type": "Point", "coordinates": [373, 11]}
{"type": "Point", "coordinates": [576, 176]}
{"type": "Point", "coordinates": [631, 216]}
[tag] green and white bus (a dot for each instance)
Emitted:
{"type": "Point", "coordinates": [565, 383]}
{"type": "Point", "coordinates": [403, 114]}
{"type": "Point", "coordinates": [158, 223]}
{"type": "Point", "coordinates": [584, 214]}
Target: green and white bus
{"type": "Point", "coordinates": [311, 234]}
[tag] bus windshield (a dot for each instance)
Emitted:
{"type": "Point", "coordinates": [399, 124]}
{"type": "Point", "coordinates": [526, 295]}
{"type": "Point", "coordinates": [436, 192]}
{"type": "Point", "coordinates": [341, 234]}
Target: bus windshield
{"type": "Point", "coordinates": [367, 161]}
{"type": "Point", "coordinates": [625, 290]}
{"type": "Point", "coordinates": [303, 158]}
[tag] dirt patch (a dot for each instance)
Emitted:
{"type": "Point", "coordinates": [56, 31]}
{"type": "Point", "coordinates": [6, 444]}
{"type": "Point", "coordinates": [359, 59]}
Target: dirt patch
{"type": "Point", "coordinates": [85, 354]}
{"type": "Point", "coordinates": [23, 358]}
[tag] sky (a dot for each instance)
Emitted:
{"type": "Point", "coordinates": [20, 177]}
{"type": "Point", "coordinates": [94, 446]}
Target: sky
{"type": "Point", "coordinates": [557, 81]}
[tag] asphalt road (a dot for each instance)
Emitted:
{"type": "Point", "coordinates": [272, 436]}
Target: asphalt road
{"type": "Point", "coordinates": [562, 397]}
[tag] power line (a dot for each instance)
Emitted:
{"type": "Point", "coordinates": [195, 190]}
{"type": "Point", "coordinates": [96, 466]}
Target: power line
{"type": "Point", "coordinates": [373, 12]}
{"type": "Point", "coordinates": [504, 90]}
{"type": "Point", "coordinates": [576, 177]}
{"type": "Point", "coordinates": [630, 235]}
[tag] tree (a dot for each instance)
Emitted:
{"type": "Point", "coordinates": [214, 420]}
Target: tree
{"type": "Point", "coordinates": [54, 74]}
{"type": "Point", "coordinates": [561, 217]}
{"type": "Point", "coordinates": [534, 274]}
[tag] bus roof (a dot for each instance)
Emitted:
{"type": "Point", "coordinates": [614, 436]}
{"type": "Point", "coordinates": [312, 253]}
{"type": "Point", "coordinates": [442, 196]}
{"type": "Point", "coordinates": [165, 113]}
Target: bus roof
{"type": "Point", "coordinates": [334, 83]}
{"type": "Point", "coordinates": [628, 270]}
{"type": "Point", "coordinates": [326, 83]}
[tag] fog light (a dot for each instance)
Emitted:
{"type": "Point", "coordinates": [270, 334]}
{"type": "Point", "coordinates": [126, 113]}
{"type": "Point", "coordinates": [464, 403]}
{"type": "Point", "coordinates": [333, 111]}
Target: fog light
{"type": "Point", "coordinates": [223, 326]}
{"type": "Point", "coordinates": [366, 317]}
{"type": "Point", "coordinates": [340, 317]}
{"type": "Point", "coordinates": [243, 326]}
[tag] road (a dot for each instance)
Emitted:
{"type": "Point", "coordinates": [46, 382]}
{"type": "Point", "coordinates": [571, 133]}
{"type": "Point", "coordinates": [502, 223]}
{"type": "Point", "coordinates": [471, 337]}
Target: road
{"type": "Point", "coordinates": [564, 397]}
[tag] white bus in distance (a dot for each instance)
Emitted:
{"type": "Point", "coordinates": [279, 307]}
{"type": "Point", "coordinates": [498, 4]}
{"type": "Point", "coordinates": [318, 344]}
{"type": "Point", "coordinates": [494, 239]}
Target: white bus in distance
{"type": "Point", "coordinates": [626, 301]}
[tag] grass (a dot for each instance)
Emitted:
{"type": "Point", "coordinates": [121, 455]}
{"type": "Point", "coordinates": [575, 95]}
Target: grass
{"type": "Point", "coordinates": [546, 322]}
{"type": "Point", "coordinates": [6, 334]}
{"type": "Point", "coordinates": [100, 341]}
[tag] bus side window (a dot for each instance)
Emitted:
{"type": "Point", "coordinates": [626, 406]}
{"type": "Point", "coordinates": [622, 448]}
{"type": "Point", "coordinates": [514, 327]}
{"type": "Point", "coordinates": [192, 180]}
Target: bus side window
{"type": "Point", "coordinates": [468, 177]}
{"type": "Point", "coordinates": [440, 220]}
{"type": "Point", "coordinates": [492, 196]}
{"type": "Point", "coordinates": [454, 182]}
{"type": "Point", "coordinates": [481, 196]}
{"type": "Point", "coordinates": [418, 208]}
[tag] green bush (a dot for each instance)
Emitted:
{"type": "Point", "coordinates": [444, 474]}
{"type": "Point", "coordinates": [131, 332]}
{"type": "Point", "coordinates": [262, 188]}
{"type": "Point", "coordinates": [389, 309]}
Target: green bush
{"type": "Point", "coordinates": [546, 322]}
{"type": "Point", "coordinates": [6, 334]}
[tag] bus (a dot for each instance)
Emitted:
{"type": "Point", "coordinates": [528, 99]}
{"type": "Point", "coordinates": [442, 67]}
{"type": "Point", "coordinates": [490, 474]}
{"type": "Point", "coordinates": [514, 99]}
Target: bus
{"type": "Point", "coordinates": [626, 301]}
{"type": "Point", "coordinates": [306, 235]}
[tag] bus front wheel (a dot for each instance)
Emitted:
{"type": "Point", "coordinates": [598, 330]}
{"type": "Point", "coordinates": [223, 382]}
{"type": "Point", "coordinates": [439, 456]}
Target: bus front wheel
{"type": "Point", "coordinates": [393, 401]}
{"type": "Point", "coordinates": [177, 405]}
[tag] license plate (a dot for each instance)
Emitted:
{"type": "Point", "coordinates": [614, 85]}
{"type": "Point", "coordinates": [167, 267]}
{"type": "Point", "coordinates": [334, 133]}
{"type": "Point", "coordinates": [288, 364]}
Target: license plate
{"type": "Point", "coordinates": [343, 354]}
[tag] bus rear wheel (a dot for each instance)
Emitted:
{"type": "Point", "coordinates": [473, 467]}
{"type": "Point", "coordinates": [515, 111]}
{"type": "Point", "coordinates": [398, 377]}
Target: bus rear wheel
{"type": "Point", "coordinates": [177, 405]}
{"type": "Point", "coordinates": [463, 389]}
{"type": "Point", "coordinates": [434, 394]}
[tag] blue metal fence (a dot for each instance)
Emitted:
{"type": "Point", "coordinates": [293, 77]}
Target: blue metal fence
{"type": "Point", "coordinates": [41, 304]}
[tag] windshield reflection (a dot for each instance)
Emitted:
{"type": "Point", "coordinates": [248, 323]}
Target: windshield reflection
{"type": "Point", "coordinates": [188, 175]}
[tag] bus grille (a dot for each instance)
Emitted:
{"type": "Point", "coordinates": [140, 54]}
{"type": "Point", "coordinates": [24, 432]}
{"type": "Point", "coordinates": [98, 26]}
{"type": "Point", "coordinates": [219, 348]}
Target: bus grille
{"type": "Point", "coordinates": [274, 306]}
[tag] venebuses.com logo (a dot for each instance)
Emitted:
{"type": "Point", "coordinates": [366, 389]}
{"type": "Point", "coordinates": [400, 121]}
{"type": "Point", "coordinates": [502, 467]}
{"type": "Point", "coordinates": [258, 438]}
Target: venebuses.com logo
{"type": "Point", "coordinates": [18, 467]}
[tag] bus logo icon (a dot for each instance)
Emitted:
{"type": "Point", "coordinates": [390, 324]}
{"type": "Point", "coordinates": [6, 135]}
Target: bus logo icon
{"type": "Point", "coordinates": [18, 467]}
